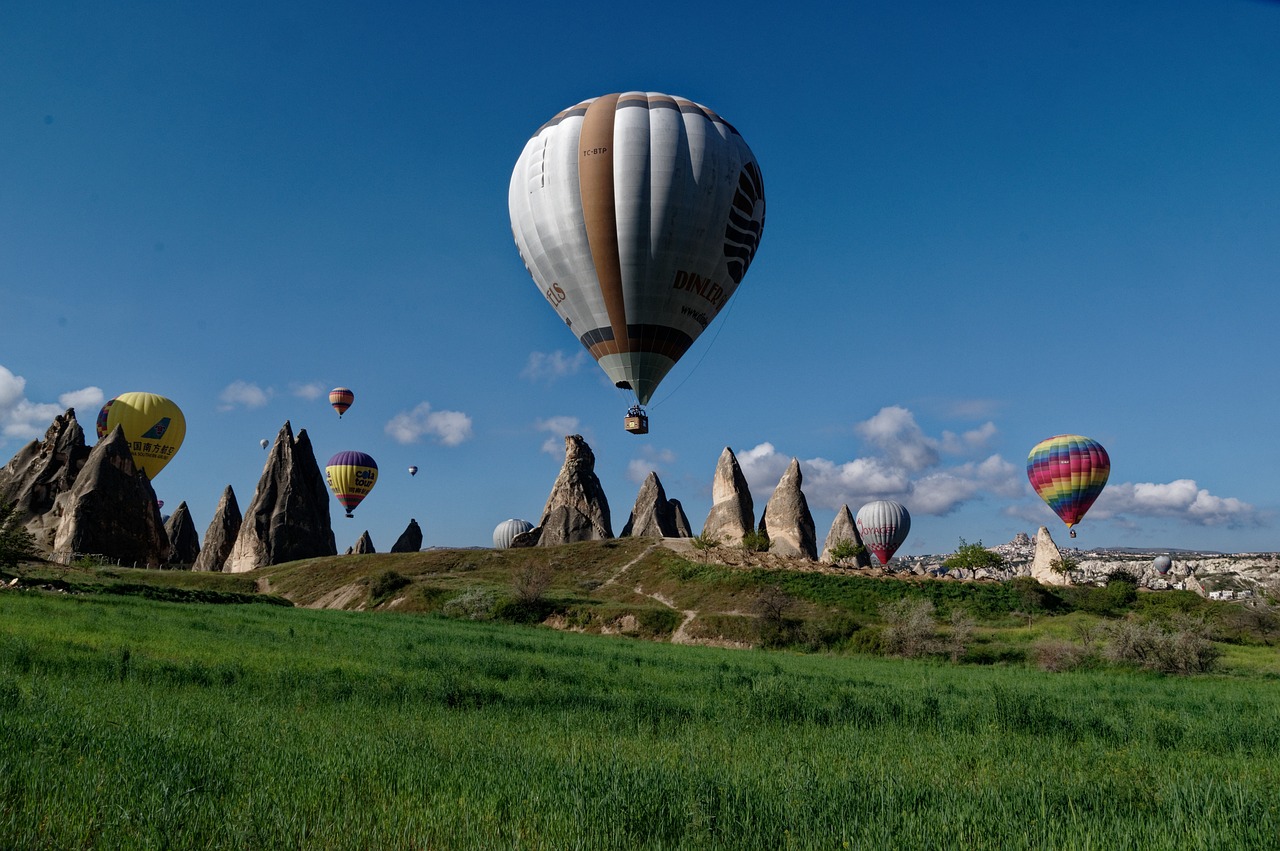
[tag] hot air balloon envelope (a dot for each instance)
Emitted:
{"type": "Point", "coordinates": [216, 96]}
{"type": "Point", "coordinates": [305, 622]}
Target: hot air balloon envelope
{"type": "Point", "coordinates": [351, 476]}
{"type": "Point", "coordinates": [341, 398]}
{"type": "Point", "coordinates": [1068, 471]}
{"type": "Point", "coordinates": [413, 470]}
{"type": "Point", "coordinates": [264, 443]}
{"type": "Point", "coordinates": [637, 214]}
{"type": "Point", "coordinates": [1162, 564]}
{"type": "Point", "coordinates": [506, 531]}
{"type": "Point", "coordinates": [883, 525]}
{"type": "Point", "coordinates": [153, 425]}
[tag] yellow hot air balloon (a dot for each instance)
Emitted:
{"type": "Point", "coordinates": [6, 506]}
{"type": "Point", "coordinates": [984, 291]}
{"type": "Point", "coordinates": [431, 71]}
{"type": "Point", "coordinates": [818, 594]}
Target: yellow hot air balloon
{"type": "Point", "coordinates": [153, 425]}
{"type": "Point", "coordinates": [351, 476]}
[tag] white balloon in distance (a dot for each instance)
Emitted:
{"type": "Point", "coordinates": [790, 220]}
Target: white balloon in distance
{"type": "Point", "coordinates": [637, 214]}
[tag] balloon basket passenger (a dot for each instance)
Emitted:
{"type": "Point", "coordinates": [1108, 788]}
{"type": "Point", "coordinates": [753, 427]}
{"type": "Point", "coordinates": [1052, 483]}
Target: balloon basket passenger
{"type": "Point", "coordinates": [636, 421]}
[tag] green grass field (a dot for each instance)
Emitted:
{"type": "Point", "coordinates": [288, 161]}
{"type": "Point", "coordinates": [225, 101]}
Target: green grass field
{"type": "Point", "coordinates": [129, 722]}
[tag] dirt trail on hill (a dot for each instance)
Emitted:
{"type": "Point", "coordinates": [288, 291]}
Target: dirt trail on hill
{"type": "Point", "coordinates": [681, 634]}
{"type": "Point", "coordinates": [612, 580]}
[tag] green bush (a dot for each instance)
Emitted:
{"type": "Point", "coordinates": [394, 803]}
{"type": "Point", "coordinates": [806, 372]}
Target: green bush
{"type": "Point", "coordinates": [756, 541]}
{"type": "Point", "coordinates": [474, 604]}
{"type": "Point", "coordinates": [385, 584]}
{"type": "Point", "coordinates": [846, 549]}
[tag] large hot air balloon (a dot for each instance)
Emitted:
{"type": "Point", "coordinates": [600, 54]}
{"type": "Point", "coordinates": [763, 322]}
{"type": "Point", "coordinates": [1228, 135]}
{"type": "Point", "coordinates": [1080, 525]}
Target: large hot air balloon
{"type": "Point", "coordinates": [341, 398]}
{"type": "Point", "coordinates": [1162, 564]}
{"type": "Point", "coordinates": [637, 214]}
{"type": "Point", "coordinates": [153, 425]}
{"type": "Point", "coordinates": [1068, 471]}
{"type": "Point", "coordinates": [351, 476]}
{"type": "Point", "coordinates": [883, 525]}
{"type": "Point", "coordinates": [506, 531]}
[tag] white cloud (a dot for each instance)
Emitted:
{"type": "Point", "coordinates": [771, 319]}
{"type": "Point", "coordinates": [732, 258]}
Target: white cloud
{"type": "Point", "coordinates": [650, 461]}
{"type": "Point", "coordinates": [23, 419]}
{"type": "Point", "coordinates": [970, 441]}
{"type": "Point", "coordinates": [1182, 499]}
{"type": "Point", "coordinates": [449, 428]}
{"type": "Point", "coordinates": [557, 428]}
{"type": "Point", "coordinates": [310, 390]}
{"type": "Point", "coordinates": [893, 430]}
{"type": "Point", "coordinates": [243, 394]}
{"type": "Point", "coordinates": [548, 366]}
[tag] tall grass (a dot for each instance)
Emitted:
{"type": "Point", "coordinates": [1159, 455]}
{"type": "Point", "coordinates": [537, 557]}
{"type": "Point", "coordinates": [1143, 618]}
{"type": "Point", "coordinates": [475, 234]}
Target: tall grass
{"type": "Point", "coordinates": [134, 723]}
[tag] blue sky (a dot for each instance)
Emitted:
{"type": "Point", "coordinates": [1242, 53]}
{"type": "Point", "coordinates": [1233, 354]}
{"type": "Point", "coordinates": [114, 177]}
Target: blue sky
{"type": "Point", "coordinates": [988, 223]}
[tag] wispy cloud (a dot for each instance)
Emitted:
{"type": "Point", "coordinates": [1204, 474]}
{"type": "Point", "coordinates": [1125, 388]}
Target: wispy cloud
{"type": "Point", "coordinates": [557, 429]}
{"type": "Point", "coordinates": [22, 419]}
{"type": "Point", "coordinates": [449, 428]}
{"type": "Point", "coordinates": [243, 394]}
{"type": "Point", "coordinates": [549, 366]}
{"type": "Point", "coordinates": [650, 461]}
{"type": "Point", "coordinates": [309, 390]}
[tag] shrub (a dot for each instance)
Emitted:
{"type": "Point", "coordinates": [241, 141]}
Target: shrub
{"type": "Point", "coordinates": [705, 542]}
{"type": "Point", "coordinates": [756, 541]}
{"type": "Point", "coordinates": [16, 543]}
{"type": "Point", "coordinates": [846, 549]}
{"type": "Point", "coordinates": [474, 604]}
{"type": "Point", "coordinates": [960, 633]}
{"type": "Point", "coordinates": [385, 584]}
{"type": "Point", "coordinates": [1183, 650]}
{"type": "Point", "coordinates": [908, 627]}
{"type": "Point", "coordinates": [771, 605]}
{"type": "Point", "coordinates": [1056, 656]}
{"type": "Point", "coordinates": [530, 583]}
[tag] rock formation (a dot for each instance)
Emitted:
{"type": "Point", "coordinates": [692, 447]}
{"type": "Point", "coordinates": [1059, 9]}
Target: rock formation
{"type": "Point", "coordinates": [577, 509]}
{"type": "Point", "coordinates": [653, 515]}
{"type": "Point", "coordinates": [40, 471]}
{"type": "Point", "coordinates": [732, 514]}
{"type": "Point", "coordinates": [184, 544]}
{"type": "Point", "coordinates": [786, 519]}
{"type": "Point", "coordinates": [364, 546]}
{"type": "Point", "coordinates": [410, 540]}
{"type": "Point", "coordinates": [111, 510]}
{"type": "Point", "coordinates": [1046, 554]}
{"type": "Point", "coordinates": [288, 517]}
{"type": "Point", "coordinates": [220, 537]}
{"type": "Point", "coordinates": [844, 529]}
{"type": "Point", "coordinates": [683, 529]}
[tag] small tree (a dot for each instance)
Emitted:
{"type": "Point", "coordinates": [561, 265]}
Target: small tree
{"type": "Point", "coordinates": [705, 542]}
{"type": "Point", "coordinates": [16, 543]}
{"type": "Point", "coordinates": [908, 627]}
{"type": "Point", "coordinates": [973, 557]}
{"type": "Point", "coordinates": [756, 541]}
{"type": "Point", "coordinates": [530, 584]}
{"type": "Point", "coordinates": [961, 632]}
{"type": "Point", "coordinates": [1065, 566]}
{"type": "Point", "coordinates": [845, 549]}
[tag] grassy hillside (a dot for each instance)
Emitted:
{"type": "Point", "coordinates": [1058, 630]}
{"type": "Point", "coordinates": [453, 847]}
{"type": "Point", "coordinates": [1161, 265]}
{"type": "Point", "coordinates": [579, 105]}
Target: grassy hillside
{"type": "Point", "coordinates": [128, 722]}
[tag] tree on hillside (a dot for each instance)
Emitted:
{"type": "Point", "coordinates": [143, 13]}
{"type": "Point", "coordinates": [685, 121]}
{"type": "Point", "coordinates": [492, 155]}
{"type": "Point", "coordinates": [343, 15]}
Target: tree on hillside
{"type": "Point", "coordinates": [973, 557]}
{"type": "Point", "coordinates": [16, 543]}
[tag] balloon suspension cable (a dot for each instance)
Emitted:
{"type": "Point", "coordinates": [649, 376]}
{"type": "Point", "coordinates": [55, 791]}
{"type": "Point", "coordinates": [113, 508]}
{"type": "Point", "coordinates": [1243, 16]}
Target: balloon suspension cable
{"type": "Point", "coordinates": [705, 351]}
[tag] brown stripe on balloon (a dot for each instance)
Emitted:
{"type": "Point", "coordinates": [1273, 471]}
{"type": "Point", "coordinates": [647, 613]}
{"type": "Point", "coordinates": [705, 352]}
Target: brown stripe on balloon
{"type": "Point", "coordinates": [595, 183]}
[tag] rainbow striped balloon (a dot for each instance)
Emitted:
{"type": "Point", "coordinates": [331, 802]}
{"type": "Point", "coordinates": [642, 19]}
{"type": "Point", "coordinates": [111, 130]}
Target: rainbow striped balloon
{"type": "Point", "coordinates": [1068, 471]}
{"type": "Point", "coordinates": [341, 398]}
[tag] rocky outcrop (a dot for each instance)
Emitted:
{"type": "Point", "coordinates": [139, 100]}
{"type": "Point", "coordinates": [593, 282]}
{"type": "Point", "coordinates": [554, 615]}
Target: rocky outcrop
{"type": "Point", "coordinates": [410, 540]}
{"type": "Point", "coordinates": [653, 515]}
{"type": "Point", "coordinates": [364, 546]}
{"type": "Point", "coordinates": [111, 510]}
{"type": "Point", "coordinates": [843, 530]}
{"type": "Point", "coordinates": [184, 544]}
{"type": "Point", "coordinates": [288, 517]}
{"type": "Point", "coordinates": [40, 471]}
{"type": "Point", "coordinates": [1046, 554]}
{"type": "Point", "coordinates": [683, 529]}
{"type": "Point", "coordinates": [221, 535]}
{"type": "Point", "coordinates": [786, 519]}
{"type": "Point", "coordinates": [577, 509]}
{"type": "Point", "coordinates": [732, 513]}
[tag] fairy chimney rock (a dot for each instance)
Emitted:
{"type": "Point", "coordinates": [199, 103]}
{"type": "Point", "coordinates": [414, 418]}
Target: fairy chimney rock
{"type": "Point", "coordinates": [683, 529]}
{"type": "Point", "coordinates": [184, 543]}
{"type": "Point", "coordinates": [577, 509]}
{"type": "Point", "coordinates": [1046, 554]}
{"type": "Point", "coordinates": [40, 471]}
{"type": "Point", "coordinates": [410, 540]}
{"type": "Point", "coordinates": [732, 514]}
{"type": "Point", "coordinates": [843, 529]}
{"type": "Point", "coordinates": [288, 517]}
{"type": "Point", "coordinates": [364, 546]}
{"type": "Point", "coordinates": [111, 510]}
{"type": "Point", "coordinates": [786, 519]}
{"type": "Point", "coordinates": [653, 516]}
{"type": "Point", "coordinates": [221, 535]}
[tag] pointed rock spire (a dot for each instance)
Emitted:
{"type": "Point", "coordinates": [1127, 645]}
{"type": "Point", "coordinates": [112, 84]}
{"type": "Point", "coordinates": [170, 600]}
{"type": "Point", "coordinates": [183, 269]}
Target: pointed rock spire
{"type": "Point", "coordinates": [220, 537]}
{"type": "Point", "coordinates": [843, 529]}
{"type": "Point", "coordinates": [288, 517]}
{"type": "Point", "coordinates": [410, 540]}
{"type": "Point", "coordinates": [577, 509]}
{"type": "Point", "coordinates": [183, 542]}
{"type": "Point", "coordinates": [683, 529]}
{"type": "Point", "coordinates": [786, 519]}
{"type": "Point", "coordinates": [653, 516]}
{"type": "Point", "coordinates": [1046, 554]}
{"type": "Point", "coordinates": [364, 546]}
{"type": "Point", "coordinates": [40, 471]}
{"type": "Point", "coordinates": [732, 514]}
{"type": "Point", "coordinates": [111, 510]}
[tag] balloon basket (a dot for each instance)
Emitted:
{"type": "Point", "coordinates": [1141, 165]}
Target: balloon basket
{"type": "Point", "coordinates": [636, 423]}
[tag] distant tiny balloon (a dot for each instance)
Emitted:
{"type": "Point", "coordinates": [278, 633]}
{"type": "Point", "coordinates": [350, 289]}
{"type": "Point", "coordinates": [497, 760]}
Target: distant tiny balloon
{"type": "Point", "coordinates": [1162, 564]}
{"type": "Point", "coordinates": [413, 470]}
{"type": "Point", "coordinates": [264, 443]}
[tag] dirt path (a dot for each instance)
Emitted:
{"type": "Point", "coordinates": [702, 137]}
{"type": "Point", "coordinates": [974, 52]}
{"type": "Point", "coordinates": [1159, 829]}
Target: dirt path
{"type": "Point", "coordinates": [681, 634]}
{"type": "Point", "coordinates": [613, 579]}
